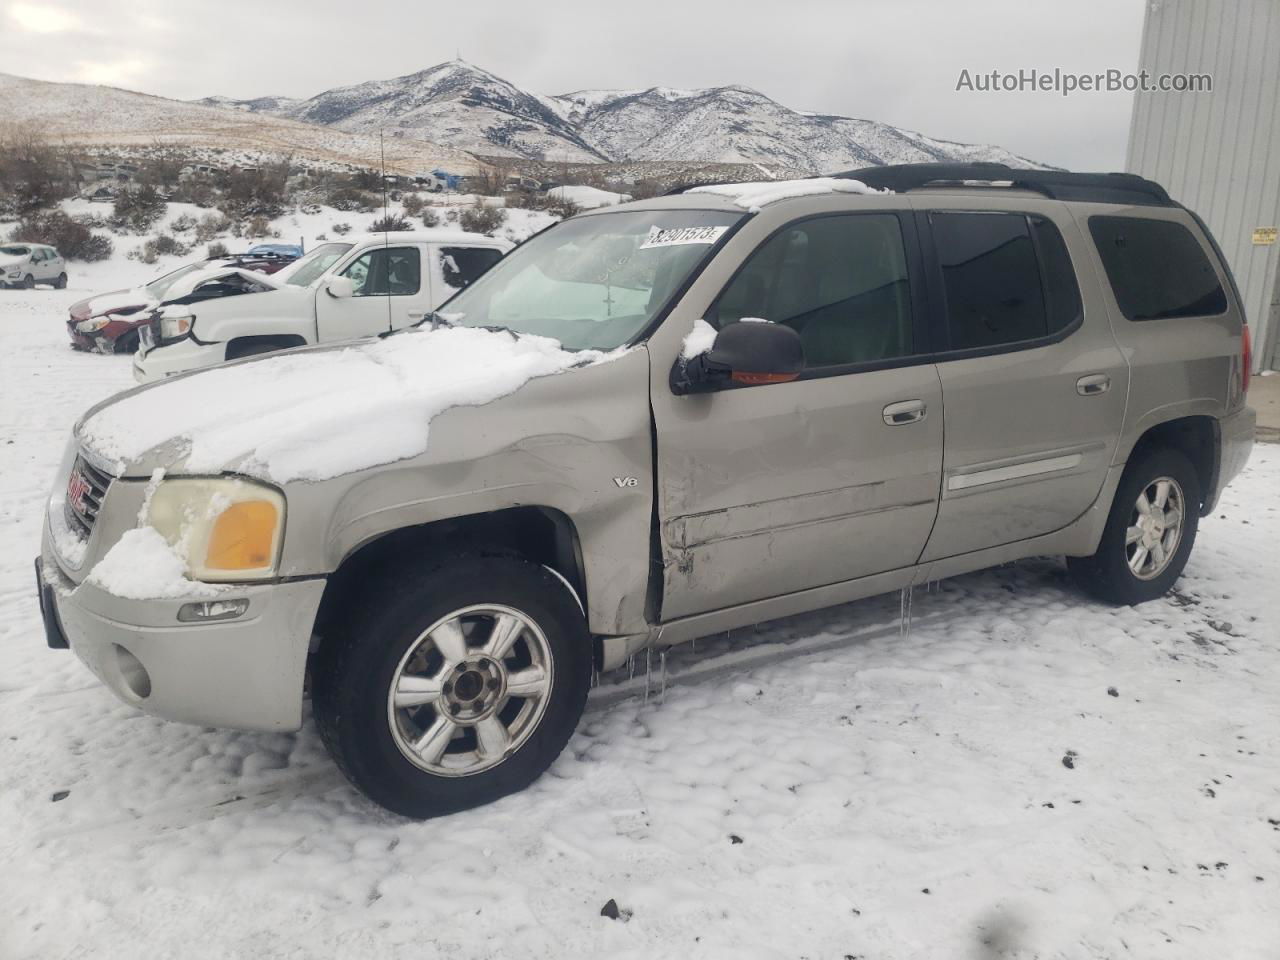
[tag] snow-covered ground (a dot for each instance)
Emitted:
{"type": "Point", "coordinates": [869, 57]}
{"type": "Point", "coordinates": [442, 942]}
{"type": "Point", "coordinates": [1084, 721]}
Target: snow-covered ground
{"type": "Point", "coordinates": [1026, 774]}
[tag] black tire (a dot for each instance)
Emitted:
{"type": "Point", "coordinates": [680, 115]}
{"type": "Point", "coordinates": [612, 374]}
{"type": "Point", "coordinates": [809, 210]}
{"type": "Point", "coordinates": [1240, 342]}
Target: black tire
{"type": "Point", "coordinates": [238, 351]}
{"type": "Point", "coordinates": [359, 659]}
{"type": "Point", "coordinates": [28, 282]}
{"type": "Point", "coordinates": [1107, 575]}
{"type": "Point", "coordinates": [127, 343]}
{"type": "Point", "coordinates": [61, 282]}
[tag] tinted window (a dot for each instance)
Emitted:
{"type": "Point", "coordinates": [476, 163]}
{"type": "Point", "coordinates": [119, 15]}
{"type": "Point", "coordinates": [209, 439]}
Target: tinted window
{"type": "Point", "coordinates": [1061, 292]}
{"type": "Point", "coordinates": [461, 265]}
{"type": "Point", "coordinates": [840, 282]}
{"type": "Point", "coordinates": [386, 271]}
{"type": "Point", "coordinates": [990, 277]}
{"type": "Point", "coordinates": [1157, 269]}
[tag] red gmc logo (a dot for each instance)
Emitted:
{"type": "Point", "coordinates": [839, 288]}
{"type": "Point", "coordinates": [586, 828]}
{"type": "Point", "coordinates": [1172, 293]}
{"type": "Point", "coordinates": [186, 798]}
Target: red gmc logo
{"type": "Point", "coordinates": [77, 487]}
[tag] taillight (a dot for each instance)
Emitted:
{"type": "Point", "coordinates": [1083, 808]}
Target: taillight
{"type": "Point", "coordinates": [1246, 357]}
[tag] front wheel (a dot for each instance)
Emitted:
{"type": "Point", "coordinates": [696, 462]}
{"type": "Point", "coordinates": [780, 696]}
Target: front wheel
{"type": "Point", "coordinates": [1149, 532]}
{"type": "Point", "coordinates": [28, 282]}
{"type": "Point", "coordinates": [451, 688]}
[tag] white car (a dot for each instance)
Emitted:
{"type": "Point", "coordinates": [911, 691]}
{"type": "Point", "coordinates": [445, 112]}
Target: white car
{"type": "Point", "coordinates": [339, 291]}
{"type": "Point", "coordinates": [26, 264]}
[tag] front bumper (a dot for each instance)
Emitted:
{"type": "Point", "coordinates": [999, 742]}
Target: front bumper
{"type": "Point", "coordinates": [245, 673]}
{"type": "Point", "coordinates": [175, 358]}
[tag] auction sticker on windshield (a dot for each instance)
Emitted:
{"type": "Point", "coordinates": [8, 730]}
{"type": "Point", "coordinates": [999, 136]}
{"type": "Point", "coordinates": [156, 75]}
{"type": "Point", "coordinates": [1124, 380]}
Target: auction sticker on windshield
{"type": "Point", "coordinates": [674, 236]}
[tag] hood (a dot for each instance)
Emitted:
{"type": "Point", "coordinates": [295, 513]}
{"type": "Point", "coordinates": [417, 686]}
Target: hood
{"type": "Point", "coordinates": [317, 413]}
{"type": "Point", "coordinates": [7, 262]}
{"type": "Point", "coordinates": [117, 301]}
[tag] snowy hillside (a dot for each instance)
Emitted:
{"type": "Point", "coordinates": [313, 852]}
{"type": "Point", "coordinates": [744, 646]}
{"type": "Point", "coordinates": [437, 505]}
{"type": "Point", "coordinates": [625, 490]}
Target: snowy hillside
{"type": "Point", "coordinates": [453, 103]}
{"type": "Point", "coordinates": [81, 114]}
{"type": "Point", "coordinates": [469, 108]}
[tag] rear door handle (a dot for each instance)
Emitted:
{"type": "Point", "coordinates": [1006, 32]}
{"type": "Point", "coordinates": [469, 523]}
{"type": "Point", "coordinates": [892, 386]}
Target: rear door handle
{"type": "Point", "coordinates": [904, 411]}
{"type": "Point", "coordinates": [1093, 384]}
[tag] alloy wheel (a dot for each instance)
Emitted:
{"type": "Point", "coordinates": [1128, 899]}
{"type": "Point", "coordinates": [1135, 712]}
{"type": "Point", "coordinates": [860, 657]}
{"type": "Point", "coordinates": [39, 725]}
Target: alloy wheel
{"type": "Point", "coordinates": [1155, 528]}
{"type": "Point", "coordinates": [470, 690]}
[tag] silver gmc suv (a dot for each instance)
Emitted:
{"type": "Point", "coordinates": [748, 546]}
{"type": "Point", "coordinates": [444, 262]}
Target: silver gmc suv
{"type": "Point", "coordinates": [649, 423]}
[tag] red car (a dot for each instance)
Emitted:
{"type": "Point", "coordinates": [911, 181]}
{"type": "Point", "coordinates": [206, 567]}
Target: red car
{"type": "Point", "coordinates": [109, 322]}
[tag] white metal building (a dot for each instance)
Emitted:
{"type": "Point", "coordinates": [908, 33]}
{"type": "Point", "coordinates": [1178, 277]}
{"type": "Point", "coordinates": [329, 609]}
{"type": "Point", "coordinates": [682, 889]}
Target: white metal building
{"type": "Point", "coordinates": [1218, 152]}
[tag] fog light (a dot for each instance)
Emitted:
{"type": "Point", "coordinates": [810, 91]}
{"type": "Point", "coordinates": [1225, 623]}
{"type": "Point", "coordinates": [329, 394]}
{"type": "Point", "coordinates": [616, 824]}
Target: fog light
{"type": "Point", "coordinates": [134, 673]}
{"type": "Point", "coordinates": [209, 611]}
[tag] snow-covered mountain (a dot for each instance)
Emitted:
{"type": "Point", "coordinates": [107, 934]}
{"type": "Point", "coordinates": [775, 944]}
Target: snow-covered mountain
{"type": "Point", "coordinates": [466, 107]}
{"type": "Point", "coordinates": [95, 116]}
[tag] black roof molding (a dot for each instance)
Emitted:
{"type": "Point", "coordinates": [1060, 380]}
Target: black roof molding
{"type": "Point", "coordinates": [1123, 188]}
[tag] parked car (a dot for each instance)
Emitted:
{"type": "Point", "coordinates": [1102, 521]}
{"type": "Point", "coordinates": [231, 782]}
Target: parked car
{"type": "Point", "coordinates": [270, 257]}
{"type": "Point", "coordinates": [109, 322]}
{"type": "Point", "coordinates": [770, 398]}
{"type": "Point", "coordinates": [339, 291]}
{"type": "Point", "coordinates": [26, 264]}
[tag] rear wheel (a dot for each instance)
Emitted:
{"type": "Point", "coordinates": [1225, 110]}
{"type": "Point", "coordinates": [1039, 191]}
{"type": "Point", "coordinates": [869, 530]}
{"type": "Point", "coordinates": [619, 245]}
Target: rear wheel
{"type": "Point", "coordinates": [452, 687]}
{"type": "Point", "coordinates": [61, 282]}
{"type": "Point", "coordinates": [1149, 533]}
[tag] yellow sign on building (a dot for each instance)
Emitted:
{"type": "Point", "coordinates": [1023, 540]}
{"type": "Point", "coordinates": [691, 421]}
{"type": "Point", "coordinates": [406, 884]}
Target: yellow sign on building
{"type": "Point", "coordinates": [1264, 235]}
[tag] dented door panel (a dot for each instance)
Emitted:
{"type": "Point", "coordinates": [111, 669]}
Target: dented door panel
{"type": "Point", "coordinates": [767, 490]}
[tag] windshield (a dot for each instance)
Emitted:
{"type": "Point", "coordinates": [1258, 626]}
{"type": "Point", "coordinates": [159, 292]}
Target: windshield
{"type": "Point", "coordinates": [303, 271]}
{"type": "Point", "coordinates": [159, 287]}
{"type": "Point", "coordinates": [15, 251]}
{"type": "Point", "coordinates": [595, 282]}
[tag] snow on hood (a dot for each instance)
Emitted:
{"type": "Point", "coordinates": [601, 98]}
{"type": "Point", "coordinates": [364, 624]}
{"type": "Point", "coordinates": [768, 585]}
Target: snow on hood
{"type": "Point", "coordinates": [186, 285]}
{"type": "Point", "coordinates": [7, 262]}
{"type": "Point", "coordinates": [753, 196]}
{"type": "Point", "coordinates": [316, 415]}
{"type": "Point", "coordinates": [117, 300]}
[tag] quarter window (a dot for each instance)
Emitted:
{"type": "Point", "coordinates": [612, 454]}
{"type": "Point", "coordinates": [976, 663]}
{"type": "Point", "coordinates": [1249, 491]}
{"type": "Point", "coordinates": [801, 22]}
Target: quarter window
{"type": "Point", "coordinates": [840, 282]}
{"type": "Point", "coordinates": [461, 265]}
{"type": "Point", "coordinates": [386, 271]}
{"type": "Point", "coordinates": [1157, 269]}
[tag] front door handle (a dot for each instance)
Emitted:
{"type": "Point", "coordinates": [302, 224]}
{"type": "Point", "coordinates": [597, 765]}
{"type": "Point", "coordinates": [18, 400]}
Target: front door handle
{"type": "Point", "coordinates": [1093, 384]}
{"type": "Point", "coordinates": [904, 411]}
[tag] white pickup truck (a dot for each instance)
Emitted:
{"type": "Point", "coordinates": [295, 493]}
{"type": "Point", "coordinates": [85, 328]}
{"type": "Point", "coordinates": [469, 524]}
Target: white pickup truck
{"type": "Point", "coordinates": [339, 291]}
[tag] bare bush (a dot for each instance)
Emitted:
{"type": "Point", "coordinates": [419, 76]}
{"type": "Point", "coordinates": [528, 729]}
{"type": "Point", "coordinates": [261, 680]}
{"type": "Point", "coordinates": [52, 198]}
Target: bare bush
{"type": "Point", "coordinates": [390, 224]}
{"type": "Point", "coordinates": [163, 245]}
{"type": "Point", "coordinates": [216, 249]}
{"type": "Point", "coordinates": [75, 241]}
{"type": "Point", "coordinates": [183, 223]}
{"type": "Point", "coordinates": [413, 204]}
{"type": "Point", "coordinates": [430, 218]}
{"type": "Point", "coordinates": [211, 225]}
{"type": "Point", "coordinates": [137, 210]}
{"type": "Point", "coordinates": [342, 229]}
{"type": "Point", "coordinates": [486, 220]}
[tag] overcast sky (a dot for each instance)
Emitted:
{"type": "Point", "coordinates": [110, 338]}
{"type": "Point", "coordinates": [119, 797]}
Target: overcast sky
{"type": "Point", "coordinates": [896, 61]}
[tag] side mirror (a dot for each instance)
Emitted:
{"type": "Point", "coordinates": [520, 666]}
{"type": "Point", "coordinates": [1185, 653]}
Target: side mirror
{"type": "Point", "coordinates": [746, 353]}
{"type": "Point", "coordinates": [340, 288]}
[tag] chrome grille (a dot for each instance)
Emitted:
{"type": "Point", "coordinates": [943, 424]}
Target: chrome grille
{"type": "Point", "coordinates": [86, 487]}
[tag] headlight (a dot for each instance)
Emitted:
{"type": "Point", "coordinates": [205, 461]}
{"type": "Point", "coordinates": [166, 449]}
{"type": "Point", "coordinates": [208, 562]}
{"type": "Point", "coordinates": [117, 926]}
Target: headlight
{"type": "Point", "coordinates": [175, 325]}
{"type": "Point", "coordinates": [225, 528]}
{"type": "Point", "coordinates": [92, 324]}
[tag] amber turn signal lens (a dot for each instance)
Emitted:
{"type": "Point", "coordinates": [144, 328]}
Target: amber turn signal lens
{"type": "Point", "coordinates": [243, 537]}
{"type": "Point", "coordinates": [754, 379]}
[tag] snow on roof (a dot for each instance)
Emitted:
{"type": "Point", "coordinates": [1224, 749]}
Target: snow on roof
{"type": "Point", "coordinates": [753, 196]}
{"type": "Point", "coordinates": [312, 416]}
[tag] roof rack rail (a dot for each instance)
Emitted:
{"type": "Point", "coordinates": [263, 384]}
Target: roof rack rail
{"type": "Point", "coordinates": [1125, 188]}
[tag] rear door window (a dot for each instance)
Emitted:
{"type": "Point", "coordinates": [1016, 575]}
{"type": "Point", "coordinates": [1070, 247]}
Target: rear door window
{"type": "Point", "coordinates": [1157, 269]}
{"type": "Point", "coordinates": [460, 266]}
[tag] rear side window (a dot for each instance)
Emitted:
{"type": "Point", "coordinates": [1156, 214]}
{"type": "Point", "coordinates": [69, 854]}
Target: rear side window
{"type": "Point", "coordinates": [840, 282]}
{"type": "Point", "coordinates": [462, 265]}
{"type": "Point", "coordinates": [1157, 269]}
{"type": "Point", "coordinates": [1007, 278]}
